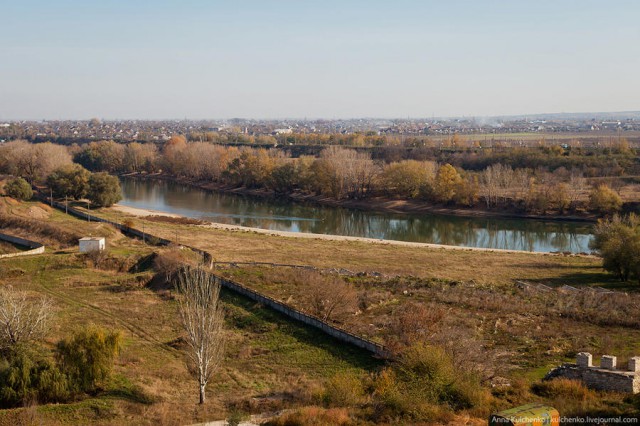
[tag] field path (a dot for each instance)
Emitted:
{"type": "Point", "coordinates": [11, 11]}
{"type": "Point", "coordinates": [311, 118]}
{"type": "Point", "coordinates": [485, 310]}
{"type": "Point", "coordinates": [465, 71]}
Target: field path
{"type": "Point", "coordinates": [133, 328]}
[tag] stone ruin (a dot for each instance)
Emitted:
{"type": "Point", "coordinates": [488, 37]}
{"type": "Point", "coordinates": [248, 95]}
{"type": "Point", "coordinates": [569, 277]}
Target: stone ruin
{"type": "Point", "coordinates": [606, 377]}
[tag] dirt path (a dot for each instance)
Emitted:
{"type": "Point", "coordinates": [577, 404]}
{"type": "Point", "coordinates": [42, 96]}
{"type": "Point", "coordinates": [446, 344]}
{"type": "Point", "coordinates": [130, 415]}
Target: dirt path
{"type": "Point", "coordinates": [133, 328]}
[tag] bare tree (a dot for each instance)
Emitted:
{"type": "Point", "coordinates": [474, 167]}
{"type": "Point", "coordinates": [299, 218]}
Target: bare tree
{"type": "Point", "coordinates": [202, 318]}
{"type": "Point", "coordinates": [328, 296]}
{"type": "Point", "coordinates": [21, 320]}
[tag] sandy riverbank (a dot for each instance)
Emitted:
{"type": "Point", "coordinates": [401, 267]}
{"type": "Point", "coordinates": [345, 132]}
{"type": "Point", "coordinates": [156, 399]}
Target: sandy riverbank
{"type": "Point", "coordinates": [141, 212]}
{"type": "Point", "coordinates": [235, 228]}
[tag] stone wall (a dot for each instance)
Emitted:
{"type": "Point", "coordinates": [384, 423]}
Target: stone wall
{"type": "Point", "coordinates": [606, 377]}
{"type": "Point", "coordinates": [36, 248]}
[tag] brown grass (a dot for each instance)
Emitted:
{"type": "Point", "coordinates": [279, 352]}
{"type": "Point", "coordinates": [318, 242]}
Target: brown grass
{"type": "Point", "coordinates": [462, 265]}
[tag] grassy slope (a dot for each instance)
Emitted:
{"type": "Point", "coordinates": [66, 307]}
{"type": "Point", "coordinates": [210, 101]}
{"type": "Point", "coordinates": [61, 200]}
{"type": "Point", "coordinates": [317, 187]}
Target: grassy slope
{"type": "Point", "coordinates": [268, 358]}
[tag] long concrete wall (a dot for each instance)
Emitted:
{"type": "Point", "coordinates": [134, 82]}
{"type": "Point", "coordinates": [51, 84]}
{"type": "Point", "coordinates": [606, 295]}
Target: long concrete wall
{"type": "Point", "coordinates": [310, 320]}
{"type": "Point", "coordinates": [36, 248]}
{"type": "Point", "coordinates": [336, 332]}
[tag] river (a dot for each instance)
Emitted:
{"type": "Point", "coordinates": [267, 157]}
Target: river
{"type": "Point", "coordinates": [284, 215]}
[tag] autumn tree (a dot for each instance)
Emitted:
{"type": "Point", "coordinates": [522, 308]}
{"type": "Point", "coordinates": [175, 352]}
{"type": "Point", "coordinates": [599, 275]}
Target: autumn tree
{"type": "Point", "coordinates": [102, 156]}
{"type": "Point", "coordinates": [604, 200]}
{"type": "Point", "coordinates": [34, 162]}
{"type": "Point", "coordinates": [138, 157]}
{"type": "Point", "coordinates": [447, 182]}
{"type": "Point", "coordinates": [19, 189]}
{"type": "Point", "coordinates": [172, 150]}
{"type": "Point", "coordinates": [283, 178]}
{"type": "Point", "coordinates": [409, 178]}
{"type": "Point", "coordinates": [252, 168]}
{"type": "Point", "coordinates": [203, 321]}
{"type": "Point", "coordinates": [617, 240]}
{"type": "Point", "coordinates": [69, 181]}
{"type": "Point", "coordinates": [347, 172]}
{"type": "Point", "coordinates": [104, 189]}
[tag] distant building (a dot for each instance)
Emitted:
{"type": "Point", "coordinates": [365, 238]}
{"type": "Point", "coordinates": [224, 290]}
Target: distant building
{"type": "Point", "coordinates": [283, 131]}
{"type": "Point", "coordinates": [89, 244]}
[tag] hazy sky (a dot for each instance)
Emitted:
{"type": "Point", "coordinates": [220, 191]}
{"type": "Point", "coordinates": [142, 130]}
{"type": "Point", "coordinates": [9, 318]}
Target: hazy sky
{"type": "Point", "coordinates": [331, 59]}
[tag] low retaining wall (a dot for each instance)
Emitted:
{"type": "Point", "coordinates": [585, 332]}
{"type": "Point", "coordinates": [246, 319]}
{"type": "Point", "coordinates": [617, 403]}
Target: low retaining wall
{"type": "Point", "coordinates": [36, 248]}
{"type": "Point", "coordinates": [336, 332]}
{"type": "Point", "coordinates": [307, 319]}
{"type": "Point", "coordinates": [606, 377]}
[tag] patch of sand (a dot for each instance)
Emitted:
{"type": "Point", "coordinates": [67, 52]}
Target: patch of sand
{"type": "Point", "coordinates": [141, 212]}
{"type": "Point", "coordinates": [36, 212]}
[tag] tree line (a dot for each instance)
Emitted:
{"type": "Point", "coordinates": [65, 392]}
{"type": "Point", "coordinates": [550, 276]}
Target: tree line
{"type": "Point", "coordinates": [52, 165]}
{"type": "Point", "coordinates": [338, 173]}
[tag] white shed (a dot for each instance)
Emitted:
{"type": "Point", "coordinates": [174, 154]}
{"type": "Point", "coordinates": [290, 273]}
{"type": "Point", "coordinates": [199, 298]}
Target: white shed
{"type": "Point", "coordinates": [88, 244]}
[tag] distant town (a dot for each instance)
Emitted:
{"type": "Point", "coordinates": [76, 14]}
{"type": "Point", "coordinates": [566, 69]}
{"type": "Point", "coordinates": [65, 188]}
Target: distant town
{"type": "Point", "coordinates": [161, 130]}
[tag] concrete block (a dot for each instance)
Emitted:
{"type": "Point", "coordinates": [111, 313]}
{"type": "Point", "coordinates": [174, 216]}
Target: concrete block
{"type": "Point", "coordinates": [634, 364]}
{"type": "Point", "coordinates": [584, 359]}
{"type": "Point", "coordinates": [608, 362]}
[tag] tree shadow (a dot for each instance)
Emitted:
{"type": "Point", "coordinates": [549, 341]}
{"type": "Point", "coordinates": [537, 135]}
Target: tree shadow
{"type": "Point", "coordinates": [132, 394]}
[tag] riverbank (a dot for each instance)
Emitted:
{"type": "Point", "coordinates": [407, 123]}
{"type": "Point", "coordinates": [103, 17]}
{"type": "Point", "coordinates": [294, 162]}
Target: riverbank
{"type": "Point", "coordinates": [375, 204]}
{"type": "Point", "coordinates": [138, 212]}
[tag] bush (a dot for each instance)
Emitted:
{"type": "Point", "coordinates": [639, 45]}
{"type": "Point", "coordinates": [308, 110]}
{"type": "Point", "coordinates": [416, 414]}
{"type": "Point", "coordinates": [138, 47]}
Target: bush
{"type": "Point", "coordinates": [604, 200]}
{"type": "Point", "coordinates": [87, 358]}
{"type": "Point", "coordinates": [423, 385]}
{"type": "Point", "coordinates": [344, 390]}
{"type": "Point", "coordinates": [313, 416]}
{"type": "Point", "coordinates": [25, 379]}
{"type": "Point", "coordinates": [19, 189]}
{"type": "Point", "coordinates": [570, 397]}
{"type": "Point", "coordinates": [618, 242]}
{"type": "Point", "coordinates": [572, 389]}
{"type": "Point", "coordinates": [104, 190]}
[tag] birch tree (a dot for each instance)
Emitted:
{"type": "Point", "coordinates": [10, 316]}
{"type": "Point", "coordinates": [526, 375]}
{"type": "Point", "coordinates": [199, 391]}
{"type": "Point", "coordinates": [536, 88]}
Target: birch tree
{"type": "Point", "coordinates": [202, 318]}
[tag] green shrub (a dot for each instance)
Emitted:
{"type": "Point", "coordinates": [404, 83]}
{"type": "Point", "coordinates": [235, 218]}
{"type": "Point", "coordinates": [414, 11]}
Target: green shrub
{"type": "Point", "coordinates": [423, 385]}
{"type": "Point", "coordinates": [344, 390]}
{"type": "Point", "coordinates": [69, 181]}
{"type": "Point", "coordinates": [24, 379]}
{"type": "Point", "coordinates": [19, 189]}
{"type": "Point", "coordinates": [87, 358]}
{"type": "Point", "coordinates": [604, 200]}
{"type": "Point", "coordinates": [104, 189]}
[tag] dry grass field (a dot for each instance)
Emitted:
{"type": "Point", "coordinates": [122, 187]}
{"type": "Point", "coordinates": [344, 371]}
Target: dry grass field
{"type": "Point", "coordinates": [272, 363]}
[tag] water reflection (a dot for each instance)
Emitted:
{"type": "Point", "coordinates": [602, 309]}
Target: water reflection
{"type": "Point", "coordinates": [280, 215]}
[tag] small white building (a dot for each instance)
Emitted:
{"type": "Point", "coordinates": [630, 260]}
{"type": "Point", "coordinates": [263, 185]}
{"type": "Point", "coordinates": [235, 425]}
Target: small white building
{"type": "Point", "coordinates": [89, 244]}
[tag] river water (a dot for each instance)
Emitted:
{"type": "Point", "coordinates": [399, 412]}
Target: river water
{"type": "Point", "coordinates": [284, 215]}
